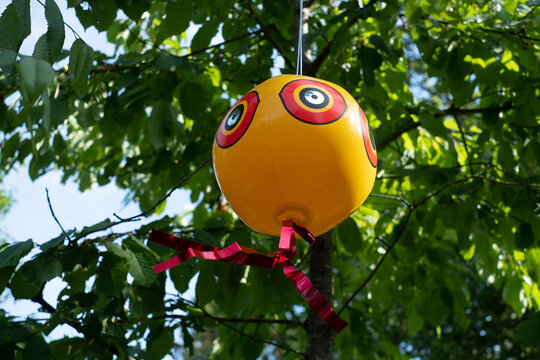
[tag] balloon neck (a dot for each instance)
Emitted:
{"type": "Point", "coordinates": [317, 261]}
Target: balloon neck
{"type": "Point", "coordinates": [298, 213]}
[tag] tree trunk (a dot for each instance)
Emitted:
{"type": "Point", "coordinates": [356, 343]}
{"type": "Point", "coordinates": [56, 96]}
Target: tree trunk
{"type": "Point", "coordinates": [320, 337]}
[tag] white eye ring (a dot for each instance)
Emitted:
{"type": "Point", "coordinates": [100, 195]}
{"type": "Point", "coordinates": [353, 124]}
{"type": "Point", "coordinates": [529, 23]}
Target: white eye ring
{"type": "Point", "coordinates": [234, 118]}
{"type": "Point", "coordinates": [314, 97]}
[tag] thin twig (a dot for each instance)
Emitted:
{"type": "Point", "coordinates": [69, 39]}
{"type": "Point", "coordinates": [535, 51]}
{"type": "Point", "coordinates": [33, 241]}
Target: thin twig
{"type": "Point", "coordinates": [379, 263]}
{"type": "Point", "coordinates": [223, 322]}
{"type": "Point", "coordinates": [238, 320]}
{"type": "Point", "coordinates": [269, 36]}
{"type": "Point", "coordinates": [153, 207]}
{"type": "Point", "coordinates": [521, 35]}
{"type": "Point", "coordinates": [52, 211]}
{"type": "Point", "coordinates": [456, 118]}
{"type": "Point", "coordinates": [532, 186]}
{"type": "Point", "coordinates": [249, 336]}
{"type": "Point", "coordinates": [397, 198]}
{"type": "Point", "coordinates": [400, 233]}
{"type": "Point", "coordinates": [169, 193]}
{"type": "Point", "coordinates": [315, 65]}
{"type": "Point", "coordinates": [239, 37]}
{"type": "Point", "coordinates": [115, 67]}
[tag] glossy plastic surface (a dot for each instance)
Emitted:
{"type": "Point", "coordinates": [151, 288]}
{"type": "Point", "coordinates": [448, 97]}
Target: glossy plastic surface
{"type": "Point", "coordinates": [295, 148]}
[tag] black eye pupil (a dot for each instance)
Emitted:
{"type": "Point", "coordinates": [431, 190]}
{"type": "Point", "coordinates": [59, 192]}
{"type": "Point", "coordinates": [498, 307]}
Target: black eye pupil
{"type": "Point", "coordinates": [314, 98]}
{"type": "Point", "coordinates": [234, 117]}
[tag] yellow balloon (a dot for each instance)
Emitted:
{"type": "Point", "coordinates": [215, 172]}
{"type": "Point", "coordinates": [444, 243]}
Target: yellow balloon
{"type": "Point", "coordinates": [295, 148]}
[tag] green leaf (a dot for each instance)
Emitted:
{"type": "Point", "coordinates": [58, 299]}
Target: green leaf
{"type": "Point", "coordinates": [7, 57]}
{"type": "Point", "coordinates": [111, 276]}
{"type": "Point", "coordinates": [511, 291]}
{"type": "Point", "coordinates": [371, 60]}
{"type": "Point", "coordinates": [380, 44]}
{"type": "Point", "coordinates": [46, 111]}
{"type": "Point", "coordinates": [55, 29]}
{"type": "Point", "coordinates": [54, 243]}
{"type": "Point", "coordinates": [95, 228]}
{"type": "Point", "coordinates": [202, 38]}
{"type": "Point", "coordinates": [11, 29]}
{"type": "Point", "coordinates": [206, 285]}
{"type": "Point", "coordinates": [528, 333]}
{"type": "Point", "coordinates": [182, 275]}
{"type": "Point", "coordinates": [80, 63]}
{"type": "Point", "coordinates": [205, 237]}
{"type": "Point", "coordinates": [349, 235]}
{"type": "Point", "coordinates": [505, 156]}
{"type": "Point", "coordinates": [28, 279]}
{"type": "Point", "coordinates": [7, 65]}
{"type": "Point", "coordinates": [35, 75]}
{"type": "Point", "coordinates": [11, 255]}
{"type": "Point", "coordinates": [434, 309]}
{"type": "Point", "coordinates": [160, 124]}
{"type": "Point", "coordinates": [432, 124]}
{"type": "Point", "coordinates": [133, 8]}
{"type": "Point", "coordinates": [140, 261]}
{"type": "Point", "coordinates": [41, 49]}
{"type": "Point", "coordinates": [178, 16]}
{"type": "Point", "coordinates": [5, 275]}
{"type": "Point", "coordinates": [160, 344]}
{"type": "Point", "coordinates": [36, 347]}
{"type": "Point", "coordinates": [23, 10]}
{"type": "Point", "coordinates": [193, 98]}
{"type": "Point", "coordinates": [524, 236]}
{"type": "Point", "coordinates": [532, 262]}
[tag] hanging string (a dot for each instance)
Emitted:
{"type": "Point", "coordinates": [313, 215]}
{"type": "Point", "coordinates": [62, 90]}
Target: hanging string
{"type": "Point", "coordinates": [299, 49]}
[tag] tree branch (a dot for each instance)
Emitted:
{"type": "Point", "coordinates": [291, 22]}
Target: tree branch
{"type": "Point", "coordinates": [521, 34]}
{"type": "Point", "coordinates": [278, 46]}
{"type": "Point", "coordinates": [238, 320]}
{"type": "Point", "coordinates": [115, 67]}
{"type": "Point", "coordinates": [458, 111]}
{"type": "Point", "coordinates": [51, 309]}
{"type": "Point", "coordinates": [269, 36]}
{"type": "Point", "coordinates": [397, 198]}
{"type": "Point", "coordinates": [52, 211]}
{"type": "Point", "coordinates": [315, 65]}
{"type": "Point", "coordinates": [379, 263]}
{"type": "Point", "coordinates": [151, 209]}
{"type": "Point", "coordinates": [456, 118]}
{"type": "Point", "coordinates": [41, 301]}
{"type": "Point", "coordinates": [249, 336]}
{"type": "Point", "coordinates": [410, 124]}
{"type": "Point", "coordinates": [401, 231]}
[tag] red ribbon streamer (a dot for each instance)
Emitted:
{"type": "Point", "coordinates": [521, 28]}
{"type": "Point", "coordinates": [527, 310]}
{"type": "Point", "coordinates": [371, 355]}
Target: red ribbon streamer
{"type": "Point", "coordinates": [237, 254]}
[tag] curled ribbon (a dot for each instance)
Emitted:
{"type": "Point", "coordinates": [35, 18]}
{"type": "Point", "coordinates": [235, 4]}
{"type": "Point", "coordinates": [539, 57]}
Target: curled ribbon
{"type": "Point", "coordinates": [237, 254]}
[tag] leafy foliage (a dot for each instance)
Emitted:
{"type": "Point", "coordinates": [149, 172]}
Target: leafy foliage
{"type": "Point", "coordinates": [442, 261]}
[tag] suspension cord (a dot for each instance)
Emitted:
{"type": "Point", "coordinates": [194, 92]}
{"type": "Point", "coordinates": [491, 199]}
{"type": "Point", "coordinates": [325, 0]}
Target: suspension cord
{"type": "Point", "coordinates": [299, 49]}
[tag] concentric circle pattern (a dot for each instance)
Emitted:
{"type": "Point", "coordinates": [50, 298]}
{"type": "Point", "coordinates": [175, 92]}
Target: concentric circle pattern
{"type": "Point", "coordinates": [237, 120]}
{"type": "Point", "coordinates": [312, 101]}
{"type": "Point", "coordinates": [369, 142]}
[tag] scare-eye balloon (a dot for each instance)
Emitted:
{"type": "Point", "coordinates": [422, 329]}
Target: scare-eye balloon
{"type": "Point", "coordinates": [295, 148]}
{"type": "Point", "coordinates": [294, 153]}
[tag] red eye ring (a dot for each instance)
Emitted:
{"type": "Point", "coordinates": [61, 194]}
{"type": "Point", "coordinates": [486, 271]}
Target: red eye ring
{"type": "Point", "coordinates": [235, 124]}
{"type": "Point", "coordinates": [312, 102]}
{"type": "Point", "coordinates": [369, 142]}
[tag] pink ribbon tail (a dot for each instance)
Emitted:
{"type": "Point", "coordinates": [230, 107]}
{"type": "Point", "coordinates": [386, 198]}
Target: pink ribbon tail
{"type": "Point", "coordinates": [237, 254]}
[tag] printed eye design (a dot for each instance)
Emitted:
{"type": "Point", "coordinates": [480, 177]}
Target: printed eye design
{"type": "Point", "coordinates": [369, 142]}
{"type": "Point", "coordinates": [312, 101]}
{"type": "Point", "coordinates": [237, 120]}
